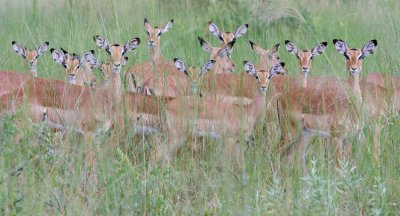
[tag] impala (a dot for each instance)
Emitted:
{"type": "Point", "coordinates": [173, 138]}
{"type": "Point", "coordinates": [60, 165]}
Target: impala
{"type": "Point", "coordinates": [137, 74]}
{"type": "Point", "coordinates": [305, 57]}
{"type": "Point", "coordinates": [117, 53]}
{"type": "Point", "coordinates": [223, 61]}
{"type": "Point", "coordinates": [206, 117]}
{"type": "Point", "coordinates": [30, 56]}
{"type": "Point", "coordinates": [329, 108]}
{"type": "Point", "coordinates": [78, 70]}
{"type": "Point", "coordinates": [268, 58]}
{"type": "Point", "coordinates": [227, 37]}
{"type": "Point", "coordinates": [105, 70]}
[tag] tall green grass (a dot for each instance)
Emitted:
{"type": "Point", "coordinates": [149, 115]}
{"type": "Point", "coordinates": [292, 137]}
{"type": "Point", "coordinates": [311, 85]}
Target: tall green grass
{"type": "Point", "coordinates": [46, 174]}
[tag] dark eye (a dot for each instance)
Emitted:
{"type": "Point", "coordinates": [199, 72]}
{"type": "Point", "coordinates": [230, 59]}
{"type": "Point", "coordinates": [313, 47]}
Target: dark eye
{"type": "Point", "coordinates": [257, 77]}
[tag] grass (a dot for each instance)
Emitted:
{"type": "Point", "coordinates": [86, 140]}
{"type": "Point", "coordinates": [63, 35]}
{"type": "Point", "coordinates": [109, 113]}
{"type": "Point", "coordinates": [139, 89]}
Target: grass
{"type": "Point", "coordinates": [44, 175]}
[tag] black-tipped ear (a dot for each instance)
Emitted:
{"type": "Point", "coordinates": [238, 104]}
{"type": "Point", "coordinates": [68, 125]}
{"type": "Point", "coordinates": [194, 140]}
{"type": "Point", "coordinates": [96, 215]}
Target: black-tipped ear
{"type": "Point", "coordinates": [92, 51]}
{"type": "Point", "coordinates": [325, 43]}
{"type": "Point", "coordinates": [51, 50]}
{"type": "Point", "coordinates": [287, 41]}
{"type": "Point", "coordinates": [64, 51]}
{"type": "Point", "coordinates": [251, 44]}
{"type": "Point", "coordinates": [145, 20]}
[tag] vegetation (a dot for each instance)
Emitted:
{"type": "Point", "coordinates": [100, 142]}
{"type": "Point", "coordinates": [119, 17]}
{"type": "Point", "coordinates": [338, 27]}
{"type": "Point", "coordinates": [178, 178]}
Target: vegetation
{"type": "Point", "coordinates": [46, 174]}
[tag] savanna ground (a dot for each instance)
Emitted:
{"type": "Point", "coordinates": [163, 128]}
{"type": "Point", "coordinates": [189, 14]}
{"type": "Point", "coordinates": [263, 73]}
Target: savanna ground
{"type": "Point", "coordinates": [44, 175]}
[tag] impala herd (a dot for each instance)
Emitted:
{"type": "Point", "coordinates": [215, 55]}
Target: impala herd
{"type": "Point", "coordinates": [207, 101]}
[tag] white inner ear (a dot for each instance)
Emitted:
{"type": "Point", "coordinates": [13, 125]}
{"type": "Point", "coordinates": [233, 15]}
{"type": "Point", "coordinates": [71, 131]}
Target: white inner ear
{"type": "Point", "coordinates": [101, 42]}
{"type": "Point", "coordinates": [240, 31]}
{"type": "Point", "coordinates": [291, 48]}
{"type": "Point", "coordinates": [131, 45]}
{"type": "Point", "coordinates": [167, 27]}
{"type": "Point", "coordinates": [58, 57]}
{"type": "Point", "coordinates": [124, 60]}
{"type": "Point", "coordinates": [180, 65]}
{"type": "Point", "coordinates": [368, 48]}
{"type": "Point", "coordinates": [207, 66]}
{"type": "Point", "coordinates": [214, 29]}
{"type": "Point", "coordinates": [249, 68]}
{"type": "Point", "coordinates": [341, 47]}
{"type": "Point", "coordinates": [318, 50]}
{"type": "Point", "coordinates": [18, 48]}
{"type": "Point", "coordinates": [42, 48]}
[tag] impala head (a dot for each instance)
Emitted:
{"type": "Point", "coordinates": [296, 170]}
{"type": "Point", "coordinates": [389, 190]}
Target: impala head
{"type": "Point", "coordinates": [194, 73]}
{"type": "Point", "coordinates": [105, 68]}
{"type": "Point", "coordinates": [72, 62]}
{"type": "Point", "coordinates": [305, 56]}
{"type": "Point", "coordinates": [268, 57]}
{"type": "Point", "coordinates": [222, 56]}
{"type": "Point", "coordinates": [155, 33]}
{"type": "Point", "coordinates": [263, 76]}
{"type": "Point", "coordinates": [30, 56]}
{"type": "Point", "coordinates": [353, 56]}
{"type": "Point", "coordinates": [227, 37]}
{"type": "Point", "coordinates": [116, 51]}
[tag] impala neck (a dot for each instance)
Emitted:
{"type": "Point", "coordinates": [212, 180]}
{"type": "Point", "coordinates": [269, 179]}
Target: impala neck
{"type": "Point", "coordinates": [258, 105]}
{"type": "Point", "coordinates": [155, 54]}
{"type": "Point", "coordinates": [33, 70]}
{"type": "Point", "coordinates": [115, 85]}
{"type": "Point", "coordinates": [354, 81]}
{"type": "Point", "coordinates": [303, 78]}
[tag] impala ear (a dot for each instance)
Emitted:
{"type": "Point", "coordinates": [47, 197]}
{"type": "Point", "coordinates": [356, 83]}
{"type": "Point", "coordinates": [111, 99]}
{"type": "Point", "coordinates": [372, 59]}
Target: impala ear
{"type": "Point", "coordinates": [57, 56]}
{"type": "Point", "coordinates": [277, 69]}
{"type": "Point", "coordinates": [167, 26]}
{"type": "Point", "coordinates": [204, 45]}
{"type": "Point", "coordinates": [18, 49]}
{"type": "Point", "coordinates": [101, 42]}
{"type": "Point", "coordinates": [64, 51]}
{"type": "Point", "coordinates": [369, 48]}
{"type": "Point", "coordinates": [180, 65]}
{"type": "Point", "coordinates": [91, 59]}
{"type": "Point", "coordinates": [207, 66]}
{"type": "Point", "coordinates": [226, 50]}
{"type": "Point", "coordinates": [319, 49]}
{"type": "Point", "coordinates": [291, 48]}
{"type": "Point", "coordinates": [124, 60]}
{"type": "Point", "coordinates": [241, 30]}
{"type": "Point", "coordinates": [340, 46]}
{"type": "Point", "coordinates": [147, 25]}
{"type": "Point", "coordinates": [42, 48]}
{"type": "Point", "coordinates": [257, 48]}
{"type": "Point", "coordinates": [214, 30]}
{"type": "Point", "coordinates": [249, 68]}
{"type": "Point", "coordinates": [131, 44]}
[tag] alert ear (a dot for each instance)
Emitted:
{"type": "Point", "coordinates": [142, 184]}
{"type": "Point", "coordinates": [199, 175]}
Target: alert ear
{"type": "Point", "coordinates": [147, 25]}
{"type": "Point", "coordinates": [101, 42]}
{"type": "Point", "coordinates": [18, 49]}
{"type": "Point", "coordinates": [42, 48]}
{"type": "Point", "coordinates": [340, 45]}
{"type": "Point", "coordinates": [214, 30]}
{"type": "Point", "coordinates": [226, 50]}
{"type": "Point", "coordinates": [180, 65]}
{"type": "Point", "coordinates": [319, 49]}
{"type": "Point", "coordinates": [257, 48]}
{"type": "Point", "coordinates": [369, 48]}
{"type": "Point", "coordinates": [207, 66]}
{"type": "Point", "coordinates": [241, 31]}
{"type": "Point", "coordinates": [204, 45]}
{"type": "Point", "coordinates": [90, 58]}
{"type": "Point", "coordinates": [167, 26]}
{"type": "Point", "coordinates": [124, 60]}
{"type": "Point", "coordinates": [131, 45]}
{"type": "Point", "coordinates": [277, 69]}
{"type": "Point", "coordinates": [249, 68]}
{"type": "Point", "coordinates": [291, 48]}
{"type": "Point", "coordinates": [57, 56]}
